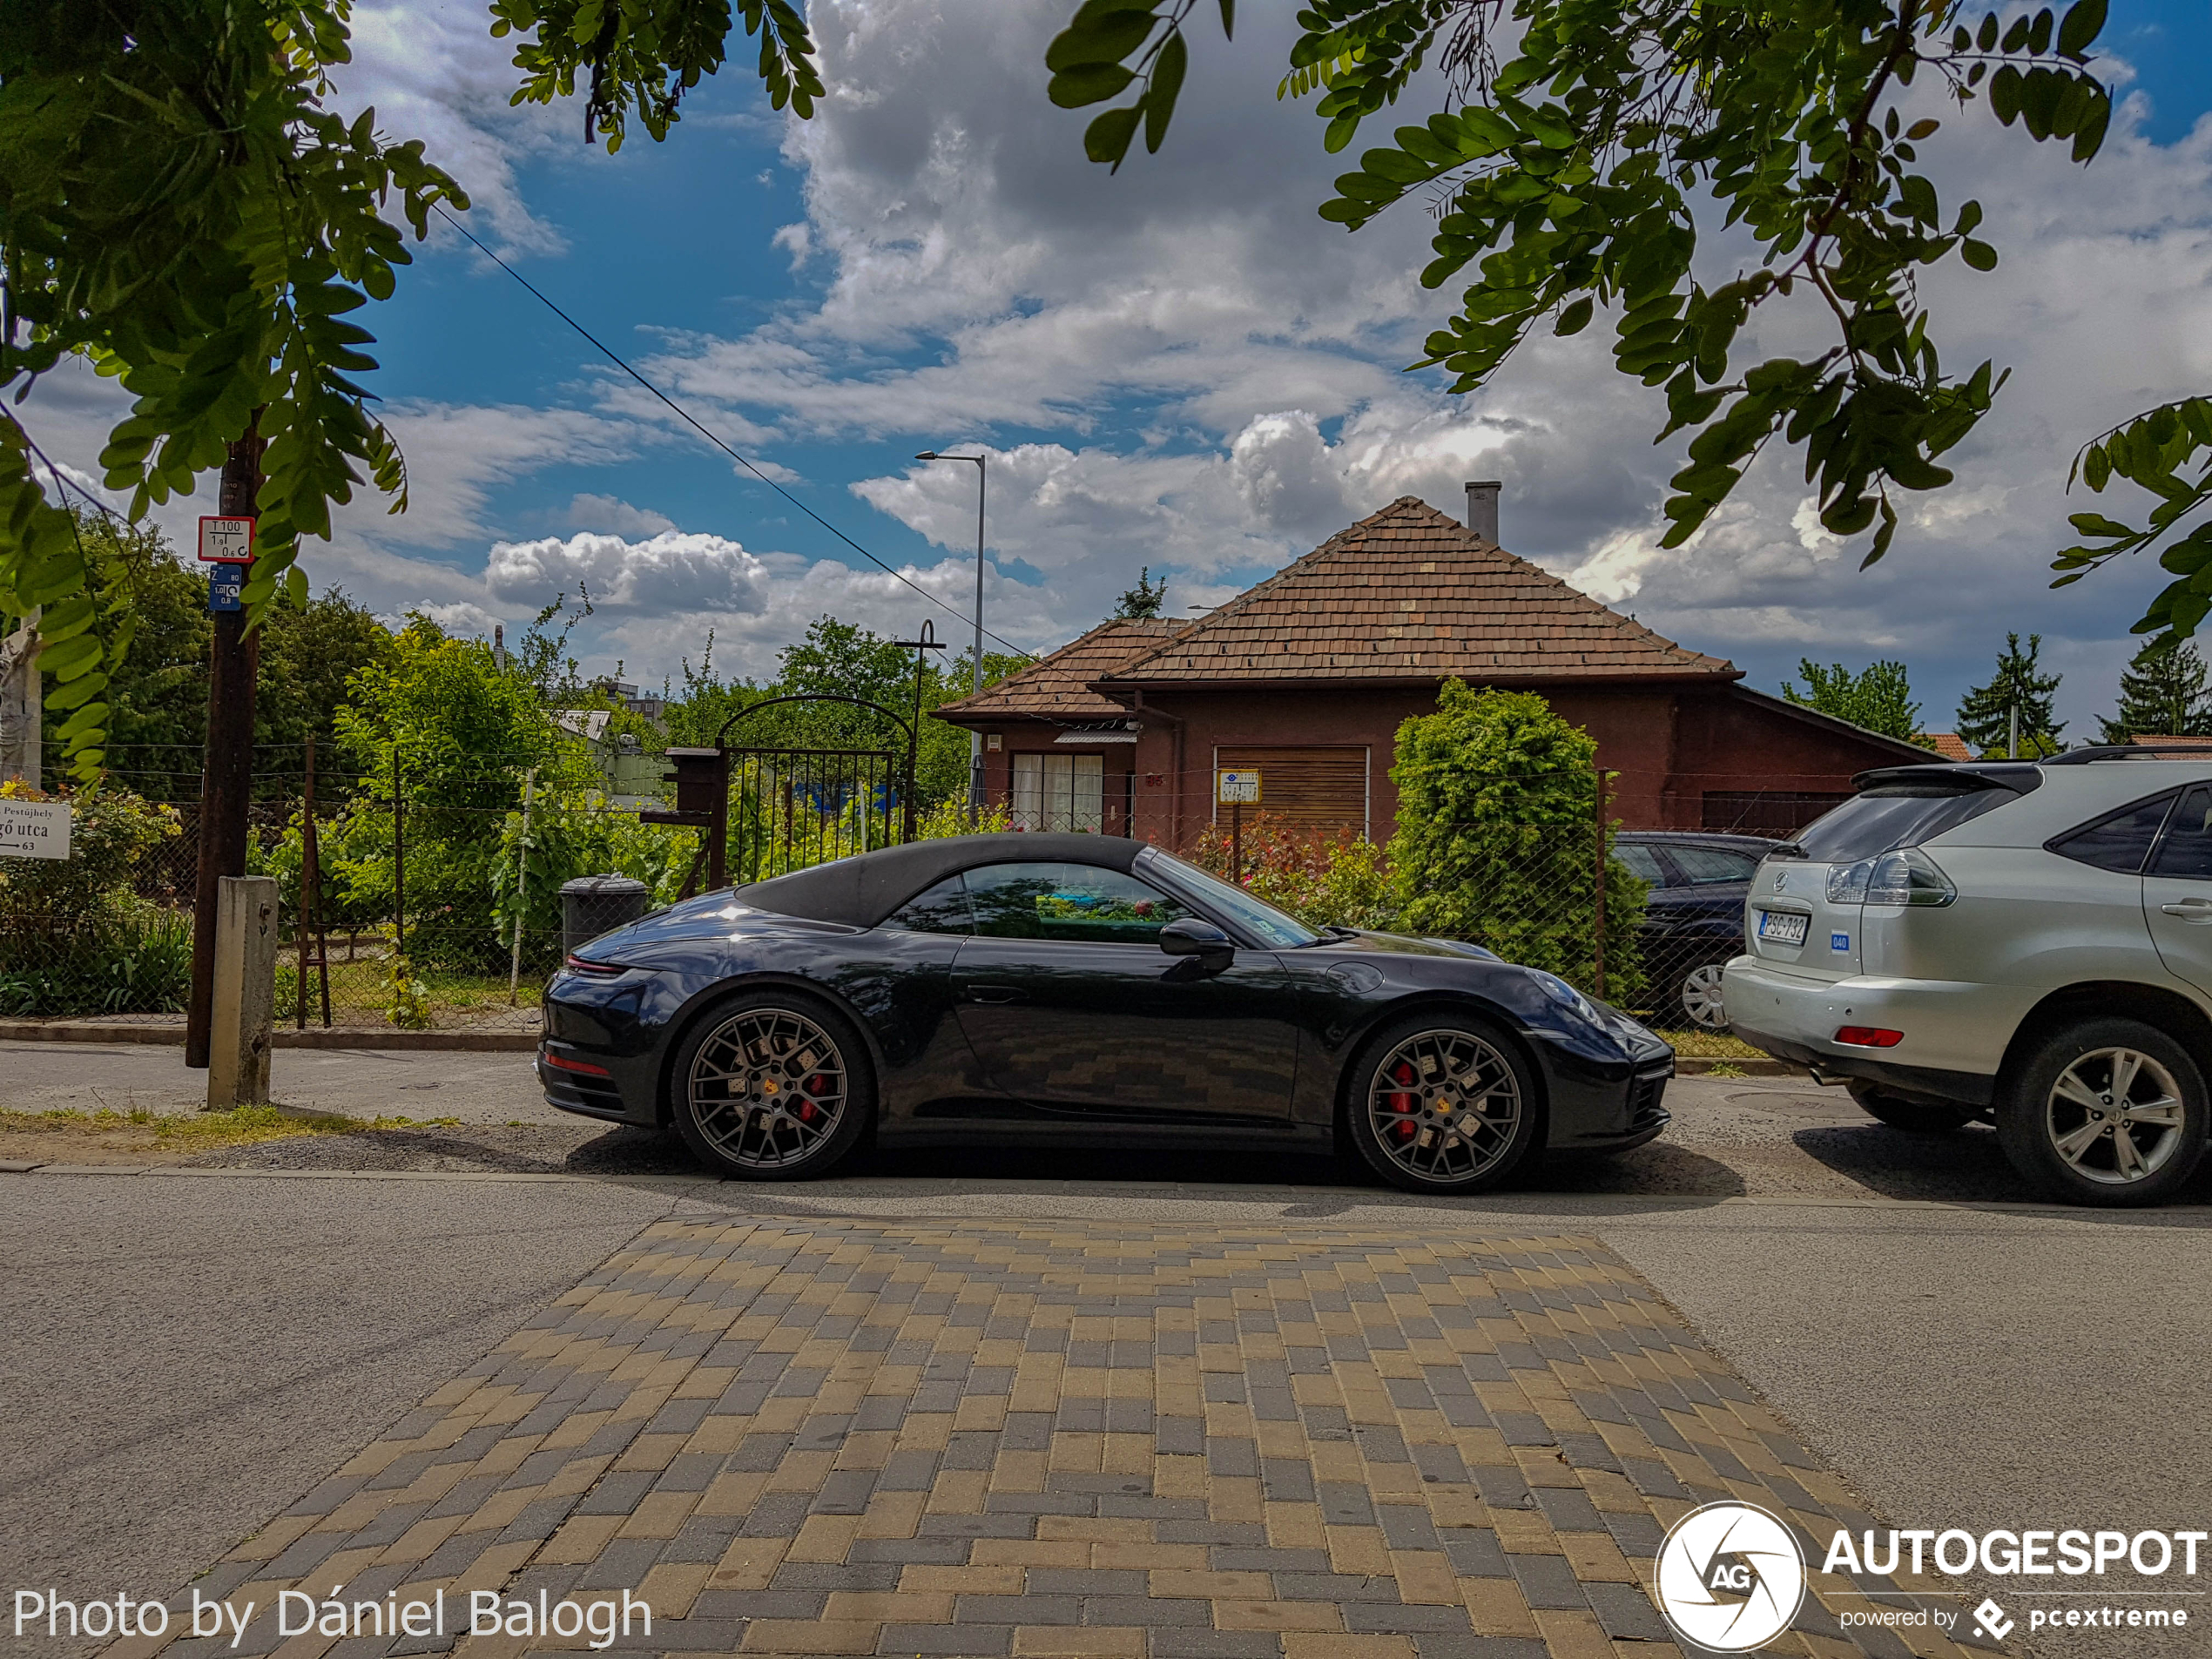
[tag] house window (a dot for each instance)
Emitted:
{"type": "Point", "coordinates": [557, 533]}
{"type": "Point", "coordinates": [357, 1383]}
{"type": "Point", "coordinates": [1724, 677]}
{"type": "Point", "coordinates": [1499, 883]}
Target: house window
{"type": "Point", "coordinates": [1054, 791]}
{"type": "Point", "coordinates": [1306, 788]}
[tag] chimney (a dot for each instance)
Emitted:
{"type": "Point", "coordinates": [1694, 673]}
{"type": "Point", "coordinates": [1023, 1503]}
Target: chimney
{"type": "Point", "coordinates": [1482, 508]}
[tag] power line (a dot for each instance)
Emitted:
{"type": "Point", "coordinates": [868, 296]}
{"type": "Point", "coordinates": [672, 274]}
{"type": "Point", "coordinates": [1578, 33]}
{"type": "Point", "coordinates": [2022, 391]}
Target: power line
{"type": "Point", "coordinates": [686, 415]}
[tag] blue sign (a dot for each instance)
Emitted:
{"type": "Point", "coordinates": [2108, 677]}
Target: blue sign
{"type": "Point", "coordinates": [226, 592]}
{"type": "Point", "coordinates": [1839, 942]}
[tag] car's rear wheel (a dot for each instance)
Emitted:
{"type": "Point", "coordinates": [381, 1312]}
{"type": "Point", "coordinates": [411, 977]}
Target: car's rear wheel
{"type": "Point", "coordinates": [2107, 1111]}
{"type": "Point", "coordinates": [1913, 1116]}
{"type": "Point", "coordinates": [1697, 994]}
{"type": "Point", "coordinates": [1442, 1104]}
{"type": "Point", "coordinates": [772, 1086]}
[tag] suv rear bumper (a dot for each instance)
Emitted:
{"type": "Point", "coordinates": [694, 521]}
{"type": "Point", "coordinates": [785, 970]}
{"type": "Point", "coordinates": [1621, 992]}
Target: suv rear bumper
{"type": "Point", "coordinates": [1956, 1032]}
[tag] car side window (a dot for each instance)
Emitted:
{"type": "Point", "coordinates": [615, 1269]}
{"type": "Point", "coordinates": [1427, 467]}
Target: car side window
{"type": "Point", "coordinates": [1709, 867]}
{"type": "Point", "coordinates": [1643, 862]}
{"type": "Point", "coordinates": [941, 909]}
{"type": "Point", "coordinates": [2186, 848]}
{"type": "Point", "coordinates": [1068, 901]}
{"type": "Point", "coordinates": [2118, 840]}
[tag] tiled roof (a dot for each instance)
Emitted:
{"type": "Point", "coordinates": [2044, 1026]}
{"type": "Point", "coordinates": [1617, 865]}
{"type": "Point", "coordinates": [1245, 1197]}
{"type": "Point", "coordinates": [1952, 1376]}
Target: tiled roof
{"type": "Point", "coordinates": [1058, 687]}
{"type": "Point", "coordinates": [1949, 746]}
{"type": "Point", "coordinates": [1410, 594]}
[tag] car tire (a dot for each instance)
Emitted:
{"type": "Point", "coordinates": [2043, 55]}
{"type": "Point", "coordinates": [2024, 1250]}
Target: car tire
{"type": "Point", "coordinates": [1696, 997]}
{"type": "Point", "coordinates": [1913, 1116]}
{"type": "Point", "coordinates": [2060, 1121]}
{"type": "Point", "coordinates": [1419, 1082]}
{"type": "Point", "coordinates": [738, 1072]}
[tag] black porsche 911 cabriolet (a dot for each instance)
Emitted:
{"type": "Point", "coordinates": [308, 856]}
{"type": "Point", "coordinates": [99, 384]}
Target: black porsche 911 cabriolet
{"type": "Point", "coordinates": [1078, 990]}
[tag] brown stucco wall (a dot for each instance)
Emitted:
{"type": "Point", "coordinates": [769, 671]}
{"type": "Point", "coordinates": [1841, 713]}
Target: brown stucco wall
{"type": "Point", "coordinates": [1669, 746]}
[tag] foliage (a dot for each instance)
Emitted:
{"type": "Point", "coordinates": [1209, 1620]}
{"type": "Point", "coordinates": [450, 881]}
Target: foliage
{"type": "Point", "coordinates": [1325, 880]}
{"type": "Point", "coordinates": [1580, 171]}
{"type": "Point", "coordinates": [1497, 811]}
{"type": "Point", "coordinates": [2161, 691]}
{"type": "Point", "coordinates": [132, 959]}
{"type": "Point", "coordinates": [407, 998]}
{"type": "Point", "coordinates": [110, 830]}
{"type": "Point", "coordinates": [1878, 698]}
{"type": "Point", "coordinates": [1985, 713]}
{"type": "Point", "coordinates": [158, 695]}
{"type": "Point", "coordinates": [177, 204]}
{"type": "Point", "coordinates": [1143, 602]}
{"type": "Point", "coordinates": [573, 833]}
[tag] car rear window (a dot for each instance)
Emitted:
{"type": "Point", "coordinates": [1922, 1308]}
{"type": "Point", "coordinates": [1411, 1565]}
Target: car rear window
{"type": "Point", "coordinates": [1892, 816]}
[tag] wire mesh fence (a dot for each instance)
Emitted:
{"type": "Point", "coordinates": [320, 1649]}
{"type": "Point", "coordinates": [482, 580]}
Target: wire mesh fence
{"type": "Point", "coordinates": [428, 896]}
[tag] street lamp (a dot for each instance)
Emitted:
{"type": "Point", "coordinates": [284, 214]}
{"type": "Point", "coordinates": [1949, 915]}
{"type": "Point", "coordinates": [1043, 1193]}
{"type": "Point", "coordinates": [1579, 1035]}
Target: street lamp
{"type": "Point", "coordinates": [975, 738]}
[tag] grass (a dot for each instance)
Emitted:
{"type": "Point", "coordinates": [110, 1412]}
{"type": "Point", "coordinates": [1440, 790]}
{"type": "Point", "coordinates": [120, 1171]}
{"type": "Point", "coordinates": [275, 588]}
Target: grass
{"type": "Point", "coordinates": [359, 994]}
{"type": "Point", "coordinates": [204, 1131]}
{"type": "Point", "coordinates": [1712, 1045]}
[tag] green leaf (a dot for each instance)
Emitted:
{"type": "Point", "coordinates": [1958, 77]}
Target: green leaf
{"type": "Point", "coordinates": [1576, 317]}
{"type": "Point", "coordinates": [2085, 21]}
{"type": "Point", "coordinates": [1104, 36]}
{"type": "Point", "coordinates": [2097, 524]}
{"type": "Point", "coordinates": [1108, 137]}
{"type": "Point", "coordinates": [1159, 97]}
{"type": "Point", "coordinates": [1088, 83]}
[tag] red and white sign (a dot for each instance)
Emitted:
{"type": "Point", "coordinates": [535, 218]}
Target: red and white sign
{"type": "Point", "coordinates": [226, 540]}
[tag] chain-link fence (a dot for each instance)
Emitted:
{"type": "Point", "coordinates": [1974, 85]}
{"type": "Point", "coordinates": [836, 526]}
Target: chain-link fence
{"type": "Point", "coordinates": [412, 899]}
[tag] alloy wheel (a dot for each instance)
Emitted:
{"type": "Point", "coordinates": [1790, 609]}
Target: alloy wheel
{"type": "Point", "coordinates": [1445, 1105]}
{"type": "Point", "coordinates": [1701, 997]}
{"type": "Point", "coordinates": [2114, 1116]}
{"type": "Point", "coordinates": [768, 1088]}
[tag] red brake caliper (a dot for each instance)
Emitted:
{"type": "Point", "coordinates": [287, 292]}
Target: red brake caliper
{"type": "Point", "coordinates": [1403, 1103]}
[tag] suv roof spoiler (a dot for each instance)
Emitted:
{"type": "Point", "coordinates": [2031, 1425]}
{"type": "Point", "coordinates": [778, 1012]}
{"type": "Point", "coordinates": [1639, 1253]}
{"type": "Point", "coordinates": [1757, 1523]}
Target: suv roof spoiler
{"type": "Point", "coordinates": [2127, 752]}
{"type": "Point", "coordinates": [2019, 776]}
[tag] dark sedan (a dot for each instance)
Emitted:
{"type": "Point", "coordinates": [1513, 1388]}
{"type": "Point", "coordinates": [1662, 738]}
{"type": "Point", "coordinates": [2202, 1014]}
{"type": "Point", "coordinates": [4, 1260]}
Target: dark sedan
{"type": "Point", "coordinates": [1693, 923]}
{"type": "Point", "coordinates": [1078, 990]}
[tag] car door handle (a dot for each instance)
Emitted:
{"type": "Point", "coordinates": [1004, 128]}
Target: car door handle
{"type": "Point", "coordinates": [2189, 909]}
{"type": "Point", "coordinates": [993, 994]}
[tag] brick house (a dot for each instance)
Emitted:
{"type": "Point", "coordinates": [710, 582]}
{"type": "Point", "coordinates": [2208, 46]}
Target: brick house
{"type": "Point", "coordinates": [1307, 676]}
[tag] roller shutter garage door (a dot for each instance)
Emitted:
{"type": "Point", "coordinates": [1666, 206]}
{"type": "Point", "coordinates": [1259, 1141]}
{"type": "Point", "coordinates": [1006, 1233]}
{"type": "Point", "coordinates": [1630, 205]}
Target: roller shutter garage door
{"type": "Point", "coordinates": [1305, 788]}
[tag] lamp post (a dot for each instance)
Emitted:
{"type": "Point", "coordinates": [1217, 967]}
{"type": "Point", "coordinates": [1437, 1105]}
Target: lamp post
{"type": "Point", "coordinates": [975, 738]}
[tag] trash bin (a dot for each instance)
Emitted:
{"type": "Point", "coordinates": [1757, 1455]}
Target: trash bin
{"type": "Point", "coordinates": [593, 905]}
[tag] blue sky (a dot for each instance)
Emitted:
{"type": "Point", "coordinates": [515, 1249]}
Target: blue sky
{"type": "Point", "coordinates": [1180, 366]}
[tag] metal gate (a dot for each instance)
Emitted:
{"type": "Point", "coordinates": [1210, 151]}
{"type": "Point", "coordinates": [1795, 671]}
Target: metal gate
{"type": "Point", "coordinates": [790, 808]}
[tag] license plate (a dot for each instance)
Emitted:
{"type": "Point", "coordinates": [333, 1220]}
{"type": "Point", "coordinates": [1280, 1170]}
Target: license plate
{"type": "Point", "coordinates": [1784, 927]}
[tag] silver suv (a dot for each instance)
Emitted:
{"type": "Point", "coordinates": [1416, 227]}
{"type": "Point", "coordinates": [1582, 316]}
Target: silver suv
{"type": "Point", "coordinates": [2030, 942]}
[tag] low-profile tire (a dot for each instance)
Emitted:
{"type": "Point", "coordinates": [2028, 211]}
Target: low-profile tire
{"type": "Point", "coordinates": [772, 1085]}
{"type": "Point", "coordinates": [1913, 1116]}
{"type": "Point", "coordinates": [1696, 997]}
{"type": "Point", "coordinates": [1418, 1086]}
{"type": "Point", "coordinates": [2105, 1111]}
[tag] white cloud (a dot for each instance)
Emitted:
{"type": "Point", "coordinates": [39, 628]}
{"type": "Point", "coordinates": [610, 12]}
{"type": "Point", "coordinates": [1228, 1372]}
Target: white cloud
{"type": "Point", "coordinates": [670, 574]}
{"type": "Point", "coordinates": [616, 517]}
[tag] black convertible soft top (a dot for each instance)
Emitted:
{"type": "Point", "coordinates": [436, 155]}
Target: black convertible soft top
{"type": "Point", "coordinates": [860, 892]}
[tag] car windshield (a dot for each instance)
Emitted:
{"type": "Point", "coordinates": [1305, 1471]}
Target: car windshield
{"type": "Point", "coordinates": [1892, 816]}
{"type": "Point", "coordinates": [1263, 921]}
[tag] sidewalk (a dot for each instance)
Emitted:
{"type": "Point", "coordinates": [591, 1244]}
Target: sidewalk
{"type": "Point", "coordinates": [995, 1436]}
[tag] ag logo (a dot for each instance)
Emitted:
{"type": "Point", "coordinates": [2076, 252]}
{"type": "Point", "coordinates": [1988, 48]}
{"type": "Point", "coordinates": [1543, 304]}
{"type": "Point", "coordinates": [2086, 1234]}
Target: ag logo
{"type": "Point", "coordinates": [1730, 1577]}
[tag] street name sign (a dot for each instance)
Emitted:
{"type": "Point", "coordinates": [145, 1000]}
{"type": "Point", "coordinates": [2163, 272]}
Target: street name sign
{"type": "Point", "coordinates": [34, 829]}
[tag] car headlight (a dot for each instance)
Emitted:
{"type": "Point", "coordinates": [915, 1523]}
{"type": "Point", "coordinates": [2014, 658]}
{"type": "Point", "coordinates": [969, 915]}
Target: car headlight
{"type": "Point", "coordinates": [1566, 997]}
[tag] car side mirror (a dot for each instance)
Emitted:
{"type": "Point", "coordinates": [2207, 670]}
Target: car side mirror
{"type": "Point", "coordinates": [1192, 937]}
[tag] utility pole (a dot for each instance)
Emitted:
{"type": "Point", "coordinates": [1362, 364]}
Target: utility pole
{"type": "Point", "coordinates": [975, 738]}
{"type": "Point", "coordinates": [226, 775]}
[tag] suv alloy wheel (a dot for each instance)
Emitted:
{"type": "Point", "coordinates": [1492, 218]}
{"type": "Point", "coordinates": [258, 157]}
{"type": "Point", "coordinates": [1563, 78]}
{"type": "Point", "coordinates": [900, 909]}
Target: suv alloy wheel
{"type": "Point", "coordinates": [2105, 1111]}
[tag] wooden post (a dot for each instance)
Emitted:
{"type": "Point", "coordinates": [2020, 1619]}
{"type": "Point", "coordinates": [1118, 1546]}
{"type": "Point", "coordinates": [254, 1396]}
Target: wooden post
{"type": "Point", "coordinates": [242, 1006]}
{"type": "Point", "coordinates": [398, 861]}
{"type": "Point", "coordinates": [310, 919]}
{"type": "Point", "coordinates": [1235, 843]}
{"type": "Point", "coordinates": [1599, 946]}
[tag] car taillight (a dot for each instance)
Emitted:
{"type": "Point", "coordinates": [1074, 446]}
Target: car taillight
{"type": "Point", "coordinates": [562, 1063]}
{"type": "Point", "coordinates": [1868, 1036]}
{"type": "Point", "coordinates": [1909, 878]}
{"type": "Point", "coordinates": [602, 970]}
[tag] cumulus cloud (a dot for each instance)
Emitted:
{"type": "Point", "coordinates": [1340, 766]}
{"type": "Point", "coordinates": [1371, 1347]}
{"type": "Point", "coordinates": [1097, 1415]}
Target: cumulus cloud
{"type": "Point", "coordinates": [669, 574]}
{"type": "Point", "coordinates": [616, 517]}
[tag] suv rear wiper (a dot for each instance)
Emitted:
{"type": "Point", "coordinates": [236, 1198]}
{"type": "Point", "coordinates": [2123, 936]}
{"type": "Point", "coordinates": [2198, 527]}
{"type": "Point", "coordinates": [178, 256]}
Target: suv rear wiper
{"type": "Point", "coordinates": [1786, 849]}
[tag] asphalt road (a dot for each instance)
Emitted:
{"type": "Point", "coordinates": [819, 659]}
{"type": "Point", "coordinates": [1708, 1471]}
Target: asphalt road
{"type": "Point", "coordinates": [189, 1349]}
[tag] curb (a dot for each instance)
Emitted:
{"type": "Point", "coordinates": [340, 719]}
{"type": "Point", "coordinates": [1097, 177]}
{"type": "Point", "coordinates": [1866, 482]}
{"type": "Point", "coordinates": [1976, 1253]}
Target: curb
{"type": "Point", "coordinates": [286, 1038]}
{"type": "Point", "coordinates": [1698, 1065]}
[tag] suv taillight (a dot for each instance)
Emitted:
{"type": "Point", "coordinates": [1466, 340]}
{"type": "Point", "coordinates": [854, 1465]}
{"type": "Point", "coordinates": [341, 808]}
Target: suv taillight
{"type": "Point", "coordinates": [1910, 877]}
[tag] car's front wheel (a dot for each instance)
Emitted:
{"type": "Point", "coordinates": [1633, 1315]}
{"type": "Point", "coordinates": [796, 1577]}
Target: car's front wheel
{"type": "Point", "coordinates": [1441, 1103]}
{"type": "Point", "coordinates": [2107, 1111]}
{"type": "Point", "coordinates": [771, 1087]}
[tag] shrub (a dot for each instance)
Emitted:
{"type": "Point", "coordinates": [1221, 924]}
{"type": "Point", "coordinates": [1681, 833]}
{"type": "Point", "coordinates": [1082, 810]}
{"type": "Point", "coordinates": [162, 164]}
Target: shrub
{"type": "Point", "coordinates": [1497, 806]}
{"type": "Point", "coordinates": [1323, 879]}
{"type": "Point", "coordinates": [112, 830]}
{"type": "Point", "coordinates": [137, 962]}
